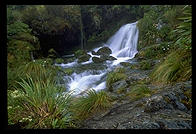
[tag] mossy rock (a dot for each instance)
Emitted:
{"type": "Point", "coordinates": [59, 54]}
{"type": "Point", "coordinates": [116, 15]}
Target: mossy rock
{"type": "Point", "coordinates": [125, 64]}
{"type": "Point", "coordinates": [113, 77]}
{"type": "Point", "coordinates": [98, 60]}
{"type": "Point", "coordinates": [94, 53]}
{"type": "Point", "coordinates": [84, 58]}
{"type": "Point", "coordinates": [104, 51]}
{"type": "Point", "coordinates": [111, 58]}
{"type": "Point", "coordinates": [59, 60]}
{"type": "Point", "coordinates": [68, 71]}
{"type": "Point", "coordinates": [79, 53]}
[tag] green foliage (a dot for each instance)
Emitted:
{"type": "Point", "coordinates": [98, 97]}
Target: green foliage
{"type": "Point", "coordinates": [148, 28]}
{"type": "Point", "coordinates": [184, 29]}
{"type": "Point", "coordinates": [177, 66]}
{"type": "Point", "coordinates": [91, 103]}
{"type": "Point", "coordinates": [52, 53]}
{"type": "Point", "coordinates": [17, 27]}
{"type": "Point", "coordinates": [157, 23]}
{"type": "Point", "coordinates": [145, 65]}
{"type": "Point", "coordinates": [114, 77]}
{"type": "Point", "coordinates": [44, 102]}
{"type": "Point", "coordinates": [79, 53]}
{"type": "Point", "coordinates": [139, 91]}
{"type": "Point", "coordinates": [18, 53]}
{"type": "Point", "coordinates": [37, 71]}
{"type": "Point", "coordinates": [59, 60]}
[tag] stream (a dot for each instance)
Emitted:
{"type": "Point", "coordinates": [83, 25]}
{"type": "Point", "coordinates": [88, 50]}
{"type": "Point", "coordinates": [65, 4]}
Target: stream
{"type": "Point", "coordinates": [89, 75]}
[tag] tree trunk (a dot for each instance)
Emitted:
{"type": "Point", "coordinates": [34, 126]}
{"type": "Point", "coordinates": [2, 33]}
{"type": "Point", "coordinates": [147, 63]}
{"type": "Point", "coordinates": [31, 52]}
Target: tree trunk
{"type": "Point", "coordinates": [82, 30]}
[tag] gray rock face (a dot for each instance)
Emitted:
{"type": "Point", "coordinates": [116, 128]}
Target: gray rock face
{"type": "Point", "coordinates": [163, 110]}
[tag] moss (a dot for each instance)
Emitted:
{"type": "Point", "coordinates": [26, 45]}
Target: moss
{"type": "Point", "coordinates": [114, 77]}
{"type": "Point", "coordinates": [83, 58]}
{"type": "Point", "coordinates": [139, 91]}
{"type": "Point", "coordinates": [68, 71]}
{"type": "Point", "coordinates": [79, 53]}
{"type": "Point", "coordinates": [59, 60]}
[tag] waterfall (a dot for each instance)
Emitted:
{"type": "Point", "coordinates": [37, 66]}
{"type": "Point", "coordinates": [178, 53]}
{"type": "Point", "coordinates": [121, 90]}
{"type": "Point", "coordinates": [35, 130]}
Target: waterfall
{"type": "Point", "coordinates": [124, 42]}
{"type": "Point", "coordinates": [124, 47]}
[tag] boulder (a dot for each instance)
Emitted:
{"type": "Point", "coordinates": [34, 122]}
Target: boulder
{"type": "Point", "coordinates": [98, 60]}
{"type": "Point", "coordinates": [107, 57]}
{"type": "Point", "coordinates": [112, 58]}
{"type": "Point", "coordinates": [84, 58]}
{"type": "Point", "coordinates": [94, 53]}
{"type": "Point", "coordinates": [104, 51]}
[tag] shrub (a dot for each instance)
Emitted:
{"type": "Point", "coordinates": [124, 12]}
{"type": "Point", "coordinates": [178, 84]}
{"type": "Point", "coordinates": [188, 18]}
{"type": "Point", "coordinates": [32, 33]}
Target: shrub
{"type": "Point", "coordinates": [92, 102]}
{"type": "Point", "coordinates": [114, 77]}
{"type": "Point", "coordinates": [46, 104]}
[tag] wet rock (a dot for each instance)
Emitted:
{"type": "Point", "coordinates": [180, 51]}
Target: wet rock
{"type": "Point", "coordinates": [180, 106]}
{"type": "Point", "coordinates": [111, 58]}
{"type": "Point", "coordinates": [98, 60]}
{"type": "Point", "coordinates": [104, 51]}
{"type": "Point", "coordinates": [119, 85]}
{"type": "Point", "coordinates": [151, 125]}
{"type": "Point", "coordinates": [94, 53]}
{"type": "Point", "coordinates": [84, 58]}
{"type": "Point", "coordinates": [125, 64]}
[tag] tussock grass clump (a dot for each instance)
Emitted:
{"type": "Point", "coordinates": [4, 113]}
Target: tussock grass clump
{"type": "Point", "coordinates": [176, 67]}
{"type": "Point", "coordinates": [90, 104]}
{"type": "Point", "coordinates": [139, 91]}
{"type": "Point", "coordinates": [45, 104]}
{"type": "Point", "coordinates": [145, 65]}
{"type": "Point", "coordinates": [114, 77]}
{"type": "Point", "coordinates": [37, 71]}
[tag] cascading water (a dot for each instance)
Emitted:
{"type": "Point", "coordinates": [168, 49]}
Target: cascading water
{"type": "Point", "coordinates": [124, 42]}
{"type": "Point", "coordinates": [124, 47]}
